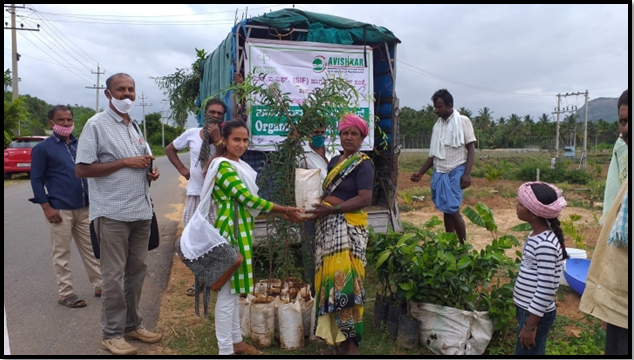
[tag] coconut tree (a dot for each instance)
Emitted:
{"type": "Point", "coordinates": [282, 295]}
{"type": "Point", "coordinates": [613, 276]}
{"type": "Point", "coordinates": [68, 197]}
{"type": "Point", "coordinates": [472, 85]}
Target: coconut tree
{"type": "Point", "coordinates": [515, 130]}
{"type": "Point", "coordinates": [466, 112]}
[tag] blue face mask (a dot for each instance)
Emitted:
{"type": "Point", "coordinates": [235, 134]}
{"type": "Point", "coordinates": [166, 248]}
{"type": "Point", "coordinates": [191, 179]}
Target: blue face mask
{"type": "Point", "coordinates": [317, 141]}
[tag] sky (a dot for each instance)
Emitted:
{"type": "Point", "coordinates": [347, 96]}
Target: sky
{"type": "Point", "coordinates": [513, 59]}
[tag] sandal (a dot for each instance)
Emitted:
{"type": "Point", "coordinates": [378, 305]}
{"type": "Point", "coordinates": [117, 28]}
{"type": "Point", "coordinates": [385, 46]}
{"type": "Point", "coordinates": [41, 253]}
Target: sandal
{"type": "Point", "coordinates": [249, 350]}
{"type": "Point", "coordinates": [191, 291]}
{"type": "Point", "coordinates": [72, 302]}
{"type": "Point", "coordinates": [98, 293]}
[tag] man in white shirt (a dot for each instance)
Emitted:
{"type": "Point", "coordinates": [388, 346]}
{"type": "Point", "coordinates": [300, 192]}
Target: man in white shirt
{"type": "Point", "coordinates": [316, 156]}
{"type": "Point", "coordinates": [452, 153]}
{"type": "Point", "coordinates": [201, 143]}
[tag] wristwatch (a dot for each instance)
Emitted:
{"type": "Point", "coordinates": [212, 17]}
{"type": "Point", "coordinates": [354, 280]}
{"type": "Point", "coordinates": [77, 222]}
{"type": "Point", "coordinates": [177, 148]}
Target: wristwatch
{"type": "Point", "coordinates": [337, 209]}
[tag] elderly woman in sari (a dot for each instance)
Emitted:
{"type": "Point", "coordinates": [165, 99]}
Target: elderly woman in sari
{"type": "Point", "coordinates": [341, 238]}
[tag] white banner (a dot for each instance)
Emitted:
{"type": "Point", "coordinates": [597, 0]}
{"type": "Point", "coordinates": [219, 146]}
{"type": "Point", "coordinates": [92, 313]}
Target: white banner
{"type": "Point", "coordinates": [299, 67]}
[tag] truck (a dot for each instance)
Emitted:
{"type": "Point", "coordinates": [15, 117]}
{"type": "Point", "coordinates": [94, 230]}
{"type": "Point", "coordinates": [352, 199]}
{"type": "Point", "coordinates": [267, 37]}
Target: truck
{"type": "Point", "coordinates": [296, 27]}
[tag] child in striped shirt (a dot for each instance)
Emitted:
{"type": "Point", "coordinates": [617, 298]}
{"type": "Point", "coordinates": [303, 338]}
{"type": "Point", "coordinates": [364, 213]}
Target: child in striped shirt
{"type": "Point", "coordinates": [540, 205]}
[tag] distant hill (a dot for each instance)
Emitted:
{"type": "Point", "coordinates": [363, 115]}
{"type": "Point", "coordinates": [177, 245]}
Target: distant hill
{"type": "Point", "coordinates": [600, 108]}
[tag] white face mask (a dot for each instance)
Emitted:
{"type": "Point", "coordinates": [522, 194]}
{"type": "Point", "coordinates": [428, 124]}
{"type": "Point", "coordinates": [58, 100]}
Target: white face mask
{"type": "Point", "coordinates": [123, 106]}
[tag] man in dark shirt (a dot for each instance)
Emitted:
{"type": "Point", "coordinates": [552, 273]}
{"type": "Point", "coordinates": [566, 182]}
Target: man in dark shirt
{"type": "Point", "coordinates": [66, 204]}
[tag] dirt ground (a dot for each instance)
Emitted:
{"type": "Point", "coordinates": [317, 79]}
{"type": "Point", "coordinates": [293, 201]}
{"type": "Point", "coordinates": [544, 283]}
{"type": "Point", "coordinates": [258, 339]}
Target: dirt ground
{"type": "Point", "coordinates": [505, 217]}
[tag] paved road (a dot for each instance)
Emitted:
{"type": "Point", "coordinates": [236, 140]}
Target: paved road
{"type": "Point", "coordinates": [37, 324]}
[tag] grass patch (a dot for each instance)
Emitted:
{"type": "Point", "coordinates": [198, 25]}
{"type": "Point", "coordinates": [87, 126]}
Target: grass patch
{"type": "Point", "coordinates": [16, 179]}
{"type": "Point", "coordinates": [412, 161]}
{"type": "Point", "coordinates": [561, 338]}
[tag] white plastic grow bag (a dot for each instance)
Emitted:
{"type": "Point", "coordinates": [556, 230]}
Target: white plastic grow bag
{"type": "Point", "coordinates": [291, 328]}
{"type": "Point", "coordinates": [449, 331]}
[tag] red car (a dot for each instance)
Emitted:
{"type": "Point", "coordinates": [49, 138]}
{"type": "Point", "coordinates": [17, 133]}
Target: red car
{"type": "Point", "coordinates": [17, 157]}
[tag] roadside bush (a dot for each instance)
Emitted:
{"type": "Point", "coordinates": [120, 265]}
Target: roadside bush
{"type": "Point", "coordinates": [578, 176]}
{"type": "Point", "coordinates": [528, 172]}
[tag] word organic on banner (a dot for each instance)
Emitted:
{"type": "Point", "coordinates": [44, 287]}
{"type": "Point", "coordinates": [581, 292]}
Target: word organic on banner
{"type": "Point", "coordinates": [298, 68]}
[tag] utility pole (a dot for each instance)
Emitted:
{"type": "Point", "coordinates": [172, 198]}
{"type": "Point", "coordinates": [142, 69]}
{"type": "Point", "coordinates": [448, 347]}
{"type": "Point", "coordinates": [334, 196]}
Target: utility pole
{"type": "Point", "coordinates": [557, 135]}
{"type": "Point", "coordinates": [14, 51]}
{"type": "Point", "coordinates": [585, 136]}
{"type": "Point", "coordinates": [14, 58]}
{"type": "Point", "coordinates": [98, 87]}
{"type": "Point", "coordinates": [143, 104]}
{"type": "Point", "coordinates": [572, 109]}
{"type": "Point", "coordinates": [162, 129]}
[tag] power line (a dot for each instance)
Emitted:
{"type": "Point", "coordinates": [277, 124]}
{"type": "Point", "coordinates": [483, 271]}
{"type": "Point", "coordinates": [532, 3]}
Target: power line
{"type": "Point", "coordinates": [63, 48]}
{"type": "Point", "coordinates": [34, 58]}
{"type": "Point", "coordinates": [42, 18]}
{"type": "Point", "coordinates": [94, 21]}
{"type": "Point", "coordinates": [69, 69]}
{"type": "Point", "coordinates": [149, 16]}
{"type": "Point", "coordinates": [430, 74]}
{"type": "Point", "coordinates": [53, 28]}
{"type": "Point", "coordinates": [56, 53]}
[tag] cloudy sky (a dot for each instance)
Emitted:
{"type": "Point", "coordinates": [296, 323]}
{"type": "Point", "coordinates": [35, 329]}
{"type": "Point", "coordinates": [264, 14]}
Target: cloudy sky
{"type": "Point", "coordinates": [509, 58]}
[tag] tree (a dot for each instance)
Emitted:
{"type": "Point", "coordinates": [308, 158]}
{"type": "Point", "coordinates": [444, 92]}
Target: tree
{"type": "Point", "coordinates": [182, 88]}
{"type": "Point", "coordinates": [515, 131]}
{"type": "Point", "coordinates": [484, 119]}
{"type": "Point", "coordinates": [324, 107]}
{"type": "Point", "coordinates": [7, 84]}
{"type": "Point", "coordinates": [466, 112]}
{"type": "Point", "coordinates": [15, 112]}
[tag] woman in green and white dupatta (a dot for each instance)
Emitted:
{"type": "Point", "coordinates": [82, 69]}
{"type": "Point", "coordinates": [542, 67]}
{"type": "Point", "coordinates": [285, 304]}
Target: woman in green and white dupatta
{"type": "Point", "coordinates": [231, 183]}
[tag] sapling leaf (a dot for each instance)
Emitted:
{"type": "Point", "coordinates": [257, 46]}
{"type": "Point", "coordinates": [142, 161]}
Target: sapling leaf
{"type": "Point", "coordinates": [384, 255]}
{"type": "Point", "coordinates": [404, 238]}
{"type": "Point", "coordinates": [522, 227]}
{"type": "Point", "coordinates": [473, 216]}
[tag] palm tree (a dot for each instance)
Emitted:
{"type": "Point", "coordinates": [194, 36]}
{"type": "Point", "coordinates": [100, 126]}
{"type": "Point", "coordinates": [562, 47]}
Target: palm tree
{"type": "Point", "coordinates": [545, 129]}
{"type": "Point", "coordinates": [484, 118]}
{"type": "Point", "coordinates": [515, 130]}
{"type": "Point", "coordinates": [603, 129]}
{"type": "Point", "coordinates": [466, 112]}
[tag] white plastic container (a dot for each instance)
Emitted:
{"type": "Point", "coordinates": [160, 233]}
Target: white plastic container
{"type": "Point", "coordinates": [574, 254]}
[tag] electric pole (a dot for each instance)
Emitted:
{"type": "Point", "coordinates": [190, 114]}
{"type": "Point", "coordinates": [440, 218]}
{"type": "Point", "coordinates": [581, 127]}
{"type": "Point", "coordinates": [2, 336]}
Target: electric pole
{"type": "Point", "coordinates": [143, 104]}
{"type": "Point", "coordinates": [162, 129]}
{"type": "Point", "coordinates": [557, 135]}
{"type": "Point", "coordinates": [585, 136]}
{"type": "Point", "coordinates": [572, 109]}
{"type": "Point", "coordinates": [14, 51]}
{"type": "Point", "coordinates": [98, 87]}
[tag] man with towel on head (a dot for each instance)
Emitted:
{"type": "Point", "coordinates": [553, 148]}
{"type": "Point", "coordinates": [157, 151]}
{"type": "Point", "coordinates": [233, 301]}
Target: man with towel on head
{"type": "Point", "coordinates": [452, 153]}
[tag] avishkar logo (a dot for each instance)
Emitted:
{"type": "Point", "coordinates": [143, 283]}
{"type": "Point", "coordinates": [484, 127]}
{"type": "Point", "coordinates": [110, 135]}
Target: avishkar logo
{"type": "Point", "coordinates": [319, 64]}
{"type": "Point", "coordinates": [343, 62]}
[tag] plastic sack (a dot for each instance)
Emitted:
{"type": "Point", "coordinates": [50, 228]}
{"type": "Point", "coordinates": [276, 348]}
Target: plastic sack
{"type": "Point", "coordinates": [307, 189]}
{"type": "Point", "coordinates": [262, 317]}
{"type": "Point", "coordinates": [291, 328]}
{"type": "Point", "coordinates": [245, 315]}
{"type": "Point", "coordinates": [448, 331]}
{"type": "Point", "coordinates": [308, 312]}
